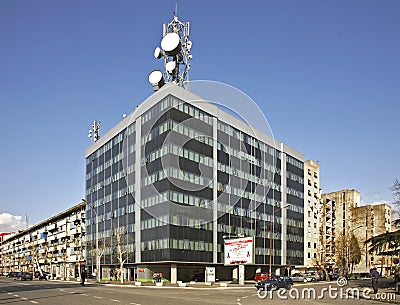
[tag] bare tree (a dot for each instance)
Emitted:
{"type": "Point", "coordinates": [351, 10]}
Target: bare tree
{"type": "Point", "coordinates": [396, 192]}
{"type": "Point", "coordinates": [395, 188]}
{"type": "Point", "coordinates": [120, 234]}
{"type": "Point", "coordinates": [388, 243]}
{"type": "Point", "coordinates": [348, 252]}
{"type": "Point", "coordinates": [98, 249]}
{"type": "Point", "coordinates": [354, 252]}
{"type": "Point", "coordinates": [320, 260]}
{"type": "Point", "coordinates": [80, 251]}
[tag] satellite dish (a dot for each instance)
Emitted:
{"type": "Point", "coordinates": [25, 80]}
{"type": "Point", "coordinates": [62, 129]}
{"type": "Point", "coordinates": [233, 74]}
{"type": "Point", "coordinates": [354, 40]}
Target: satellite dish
{"type": "Point", "coordinates": [171, 44]}
{"type": "Point", "coordinates": [170, 66]}
{"type": "Point", "coordinates": [158, 53]}
{"type": "Point", "coordinates": [156, 79]}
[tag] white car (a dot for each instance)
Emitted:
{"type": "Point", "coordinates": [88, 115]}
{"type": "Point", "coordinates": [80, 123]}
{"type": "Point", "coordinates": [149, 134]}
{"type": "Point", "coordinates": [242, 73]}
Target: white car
{"type": "Point", "coordinates": [303, 278]}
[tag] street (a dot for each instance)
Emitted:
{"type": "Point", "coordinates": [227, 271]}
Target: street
{"type": "Point", "coordinates": [70, 293]}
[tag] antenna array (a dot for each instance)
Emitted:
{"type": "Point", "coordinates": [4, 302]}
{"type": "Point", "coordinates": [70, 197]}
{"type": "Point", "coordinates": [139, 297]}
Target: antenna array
{"type": "Point", "coordinates": [175, 50]}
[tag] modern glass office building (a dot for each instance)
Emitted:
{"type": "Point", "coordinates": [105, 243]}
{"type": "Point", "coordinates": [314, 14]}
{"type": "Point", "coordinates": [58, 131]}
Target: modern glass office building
{"type": "Point", "coordinates": [177, 177]}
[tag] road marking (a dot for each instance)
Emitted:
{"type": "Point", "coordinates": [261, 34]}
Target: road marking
{"type": "Point", "coordinates": [9, 292]}
{"type": "Point", "coordinates": [16, 295]}
{"type": "Point", "coordinates": [135, 304]}
{"type": "Point", "coordinates": [98, 297]}
{"type": "Point", "coordinates": [24, 299]}
{"type": "Point", "coordinates": [115, 300]}
{"type": "Point", "coordinates": [34, 302]}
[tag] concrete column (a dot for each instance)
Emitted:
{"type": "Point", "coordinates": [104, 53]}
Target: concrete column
{"type": "Point", "coordinates": [138, 160]}
{"type": "Point", "coordinates": [241, 274]}
{"type": "Point", "coordinates": [283, 211]}
{"type": "Point", "coordinates": [174, 273]}
{"type": "Point", "coordinates": [215, 191]}
{"type": "Point", "coordinates": [235, 276]}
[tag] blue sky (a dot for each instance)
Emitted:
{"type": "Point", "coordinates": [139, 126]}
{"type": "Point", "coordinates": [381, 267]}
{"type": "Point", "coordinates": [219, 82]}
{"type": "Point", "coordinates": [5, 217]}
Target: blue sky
{"type": "Point", "coordinates": [326, 74]}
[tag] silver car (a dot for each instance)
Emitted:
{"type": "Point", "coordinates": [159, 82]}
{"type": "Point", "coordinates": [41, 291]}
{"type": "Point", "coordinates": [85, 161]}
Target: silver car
{"type": "Point", "coordinates": [302, 278]}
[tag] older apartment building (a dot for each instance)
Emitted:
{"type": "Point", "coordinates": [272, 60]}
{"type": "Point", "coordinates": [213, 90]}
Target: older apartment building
{"type": "Point", "coordinates": [312, 213]}
{"type": "Point", "coordinates": [369, 221]}
{"type": "Point", "coordinates": [346, 200]}
{"type": "Point", "coordinates": [55, 245]}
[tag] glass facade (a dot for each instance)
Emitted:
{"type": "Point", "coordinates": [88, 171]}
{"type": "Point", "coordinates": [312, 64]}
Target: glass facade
{"type": "Point", "coordinates": [179, 181]}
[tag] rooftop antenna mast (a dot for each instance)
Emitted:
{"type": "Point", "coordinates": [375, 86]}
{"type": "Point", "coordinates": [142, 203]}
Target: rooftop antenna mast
{"type": "Point", "coordinates": [95, 131]}
{"type": "Point", "coordinates": [175, 50]}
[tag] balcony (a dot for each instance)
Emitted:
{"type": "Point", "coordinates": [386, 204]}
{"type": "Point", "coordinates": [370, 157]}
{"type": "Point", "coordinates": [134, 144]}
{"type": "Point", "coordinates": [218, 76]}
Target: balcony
{"type": "Point", "coordinates": [51, 227]}
{"type": "Point", "coordinates": [61, 223]}
{"type": "Point", "coordinates": [62, 235]}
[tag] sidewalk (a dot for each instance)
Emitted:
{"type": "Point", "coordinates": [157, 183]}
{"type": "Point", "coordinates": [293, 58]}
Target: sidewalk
{"type": "Point", "coordinates": [386, 290]}
{"type": "Point", "coordinates": [192, 284]}
{"type": "Point", "coordinates": [386, 293]}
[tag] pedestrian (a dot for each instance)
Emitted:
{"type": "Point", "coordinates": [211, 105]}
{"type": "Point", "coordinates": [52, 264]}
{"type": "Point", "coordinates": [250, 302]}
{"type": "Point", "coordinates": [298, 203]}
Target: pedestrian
{"type": "Point", "coordinates": [375, 276]}
{"type": "Point", "coordinates": [83, 277]}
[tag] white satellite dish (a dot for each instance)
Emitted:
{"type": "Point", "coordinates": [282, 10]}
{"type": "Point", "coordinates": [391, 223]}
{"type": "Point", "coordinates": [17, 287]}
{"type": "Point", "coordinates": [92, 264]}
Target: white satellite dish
{"type": "Point", "coordinates": [158, 53]}
{"type": "Point", "coordinates": [171, 44]}
{"type": "Point", "coordinates": [156, 79]}
{"type": "Point", "coordinates": [170, 66]}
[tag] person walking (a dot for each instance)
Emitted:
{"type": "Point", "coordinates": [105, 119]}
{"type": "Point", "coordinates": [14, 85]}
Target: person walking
{"type": "Point", "coordinates": [375, 276]}
{"type": "Point", "coordinates": [83, 277]}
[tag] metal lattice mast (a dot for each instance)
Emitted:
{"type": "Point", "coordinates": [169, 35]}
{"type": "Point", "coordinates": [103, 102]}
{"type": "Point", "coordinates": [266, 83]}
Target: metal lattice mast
{"type": "Point", "coordinates": [175, 49]}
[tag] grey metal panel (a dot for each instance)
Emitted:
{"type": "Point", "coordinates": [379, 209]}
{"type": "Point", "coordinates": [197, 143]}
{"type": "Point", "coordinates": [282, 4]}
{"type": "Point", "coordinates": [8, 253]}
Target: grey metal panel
{"type": "Point", "coordinates": [185, 95]}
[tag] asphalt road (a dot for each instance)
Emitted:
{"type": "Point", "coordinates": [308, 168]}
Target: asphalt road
{"type": "Point", "coordinates": [68, 293]}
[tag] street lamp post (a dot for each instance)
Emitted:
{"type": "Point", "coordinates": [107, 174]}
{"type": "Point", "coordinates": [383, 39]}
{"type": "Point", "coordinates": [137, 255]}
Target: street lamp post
{"type": "Point", "coordinates": [97, 243]}
{"type": "Point", "coordinates": [271, 244]}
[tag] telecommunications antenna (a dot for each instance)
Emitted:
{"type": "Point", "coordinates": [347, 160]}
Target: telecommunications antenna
{"type": "Point", "coordinates": [175, 50]}
{"type": "Point", "coordinates": [94, 133]}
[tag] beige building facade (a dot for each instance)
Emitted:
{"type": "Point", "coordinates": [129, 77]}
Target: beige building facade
{"type": "Point", "coordinates": [312, 213]}
{"type": "Point", "coordinates": [346, 200]}
{"type": "Point", "coordinates": [55, 245]}
{"type": "Point", "coordinates": [370, 221]}
{"type": "Point", "coordinates": [327, 231]}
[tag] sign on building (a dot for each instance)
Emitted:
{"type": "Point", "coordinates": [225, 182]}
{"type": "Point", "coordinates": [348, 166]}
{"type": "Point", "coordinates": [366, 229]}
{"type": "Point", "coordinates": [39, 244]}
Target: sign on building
{"type": "Point", "coordinates": [210, 274]}
{"type": "Point", "coordinates": [239, 251]}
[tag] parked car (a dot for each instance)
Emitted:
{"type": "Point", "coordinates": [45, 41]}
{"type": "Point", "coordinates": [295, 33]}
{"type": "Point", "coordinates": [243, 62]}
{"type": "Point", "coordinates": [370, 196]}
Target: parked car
{"type": "Point", "coordinates": [24, 276]}
{"type": "Point", "coordinates": [261, 276]}
{"type": "Point", "coordinates": [312, 275]}
{"type": "Point", "coordinates": [322, 276]}
{"type": "Point", "coordinates": [44, 276]}
{"type": "Point", "coordinates": [315, 274]}
{"type": "Point", "coordinates": [298, 277]}
{"type": "Point", "coordinates": [333, 276]}
{"type": "Point", "coordinates": [281, 282]}
{"type": "Point", "coordinates": [198, 277]}
{"type": "Point", "coordinates": [12, 274]}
